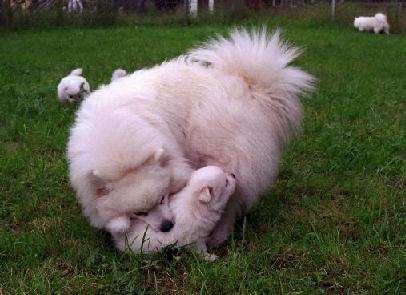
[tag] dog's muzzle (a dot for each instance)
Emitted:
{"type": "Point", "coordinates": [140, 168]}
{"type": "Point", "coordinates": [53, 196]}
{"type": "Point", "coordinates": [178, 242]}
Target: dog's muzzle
{"type": "Point", "coordinates": [166, 226]}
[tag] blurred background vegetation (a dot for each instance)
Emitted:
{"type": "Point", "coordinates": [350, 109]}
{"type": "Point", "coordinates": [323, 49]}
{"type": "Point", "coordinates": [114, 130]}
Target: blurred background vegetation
{"type": "Point", "coordinates": [17, 14]}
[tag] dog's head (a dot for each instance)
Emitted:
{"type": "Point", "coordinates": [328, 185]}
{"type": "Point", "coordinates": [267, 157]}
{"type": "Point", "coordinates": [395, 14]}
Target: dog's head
{"type": "Point", "coordinates": [120, 166]}
{"type": "Point", "coordinates": [138, 193]}
{"type": "Point", "coordinates": [212, 187]}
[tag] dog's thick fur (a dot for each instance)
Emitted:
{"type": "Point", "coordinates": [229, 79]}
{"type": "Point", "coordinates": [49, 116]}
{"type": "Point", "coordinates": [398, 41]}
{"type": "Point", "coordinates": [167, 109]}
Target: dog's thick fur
{"type": "Point", "coordinates": [377, 23]}
{"type": "Point", "coordinates": [196, 209]}
{"type": "Point", "coordinates": [232, 103]}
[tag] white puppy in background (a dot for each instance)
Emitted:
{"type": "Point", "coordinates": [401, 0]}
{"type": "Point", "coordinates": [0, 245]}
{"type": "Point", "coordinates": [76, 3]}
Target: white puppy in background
{"type": "Point", "coordinates": [377, 23]}
{"type": "Point", "coordinates": [196, 210]}
{"type": "Point", "coordinates": [117, 74]}
{"type": "Point", "coordinates": [73, 87]}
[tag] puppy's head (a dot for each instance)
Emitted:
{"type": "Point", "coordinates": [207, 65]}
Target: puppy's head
{"type": "Point", "coordinates": [73, 88]}
{"type": "Point", "coordinates": [160, 218]}
{"type": "Point", "coordinates": [212, 187]}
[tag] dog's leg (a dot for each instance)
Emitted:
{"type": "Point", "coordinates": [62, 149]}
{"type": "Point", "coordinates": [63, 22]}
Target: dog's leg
{"type": "Point", "coordinates": [120, 224]}
{"type": "Point", "coordinates": [201, 248]}
{"type": "Point", "coordinates": [180, 176]}
{"type": "Point", "coordinates": [224, 227]}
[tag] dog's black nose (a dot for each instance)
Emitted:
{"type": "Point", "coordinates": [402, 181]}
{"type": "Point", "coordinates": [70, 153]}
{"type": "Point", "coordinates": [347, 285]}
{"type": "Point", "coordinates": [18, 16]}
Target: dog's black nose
{"type": "Point", "coordinates": [233, 175]}
{"type": "Point", "coordinates": [166, 226]}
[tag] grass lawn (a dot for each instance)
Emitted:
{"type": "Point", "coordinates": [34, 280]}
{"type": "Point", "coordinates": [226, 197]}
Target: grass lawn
{"type": "Point", "coordinates": [334, 222]}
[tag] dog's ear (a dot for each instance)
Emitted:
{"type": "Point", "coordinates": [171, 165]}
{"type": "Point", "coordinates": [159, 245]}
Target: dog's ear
{"type": "Point", "coordinates": [205, 194]}
{"type": "Point", "coordinates": [161, 157]}
{"type": "Point", "coordinates": [98, 184]}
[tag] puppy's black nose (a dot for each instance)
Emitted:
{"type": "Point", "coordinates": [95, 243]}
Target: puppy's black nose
{"type": "Point", "coordinates": [166, 226]}
{"type": "Point", "coordinates": [233, 175]}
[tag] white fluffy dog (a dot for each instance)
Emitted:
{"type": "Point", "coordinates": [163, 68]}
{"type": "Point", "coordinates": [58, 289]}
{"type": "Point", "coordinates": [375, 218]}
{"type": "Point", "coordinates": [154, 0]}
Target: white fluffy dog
{"type": "Point", "coordinates": [232, 103]}
{"type": "Point", "coordinates": [196, 209]}
{"type": "Point", "coordinates": [73, 87]}
{"type": "Point", "coordinates": [377, 23]}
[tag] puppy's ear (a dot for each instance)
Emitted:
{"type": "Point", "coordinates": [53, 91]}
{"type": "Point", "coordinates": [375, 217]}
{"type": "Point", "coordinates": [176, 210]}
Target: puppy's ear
{"type": "Point", "coordinates": [98, 183]}
{"type": "Point", "coordinates": [76, 72]}
{"type": "Point", "coordinates": [205, 195]}
{"type": "Point", "coordinates": [161, 157]}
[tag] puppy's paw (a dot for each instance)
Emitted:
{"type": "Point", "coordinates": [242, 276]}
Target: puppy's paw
{"type": "Point", "coordinates": [210, 257]}
{"type": "Point", "coordinates": [118, 225]}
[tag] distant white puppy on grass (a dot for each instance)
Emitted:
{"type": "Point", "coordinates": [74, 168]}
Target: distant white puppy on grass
{"type": "Point", "coordinates": [73, 87]}
{"type": "Point", "coordinates": [377, 23]}
{"type": "Point", "coordinates": [196, 210]}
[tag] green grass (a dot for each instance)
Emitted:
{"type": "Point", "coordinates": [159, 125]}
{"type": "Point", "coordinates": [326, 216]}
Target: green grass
{"type": "Point", "coordinates": [333, 223]}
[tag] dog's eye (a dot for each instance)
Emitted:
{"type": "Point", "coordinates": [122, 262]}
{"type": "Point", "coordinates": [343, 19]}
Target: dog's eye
{"type": "Point", "coordinates": [162, 199]}
{"type": "Point", "coordinates": [141, 213]}
{"type": "Point", "coordinates": [70, 96]}
{"type": "Point", "coordinates": [226, 182]}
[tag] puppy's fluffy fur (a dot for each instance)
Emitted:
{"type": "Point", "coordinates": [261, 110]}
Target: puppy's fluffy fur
{"type": "Point", "coordinates": [232, 103]}
{"type": "Point", "coordinates": [377, 23]}
{"type": "Point", "coordinates": [197, 209]}
{"type": "Point", "coordinates": [73, 87]}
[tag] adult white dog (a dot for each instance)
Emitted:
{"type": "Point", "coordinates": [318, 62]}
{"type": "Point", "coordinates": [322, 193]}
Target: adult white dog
{"type": "Point", "coordinates": [232, 103]}
{"type": "Point", "coordinates": [377, 23]}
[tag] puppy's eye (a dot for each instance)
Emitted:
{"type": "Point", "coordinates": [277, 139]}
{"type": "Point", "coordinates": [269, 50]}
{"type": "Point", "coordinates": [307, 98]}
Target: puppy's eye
{"type": "Point", "coordinates": [70, 96]}
{"type": "Point", "coordinates": [141, 213]}
{"type": "Point", "coordinates": [226, 182]}
{"type": "Point", "coordinates": [162, 199]}
{"type": "Point", "coordinates": [210, 190]}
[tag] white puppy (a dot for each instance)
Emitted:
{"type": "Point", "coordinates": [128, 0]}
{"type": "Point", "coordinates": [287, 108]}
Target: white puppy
{"type": "Point", "coordinates": [377, 23]}
{"type": "Point", "coordinates": [232, 103]}
{"type": "Point", "coordinates": [117, 74]}
{"type": "Point", "coordinates": [196, 209]}
{"type": "Point", "coordinates": [73, 87]}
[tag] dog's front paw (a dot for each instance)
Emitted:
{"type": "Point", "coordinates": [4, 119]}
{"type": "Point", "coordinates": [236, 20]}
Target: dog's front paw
{"type": "Point", "coordinates": [119, 225]}
{"type": "Point", "coordinates": [210, 257]}
{"type": "Point", "coordinates": [218, 238]}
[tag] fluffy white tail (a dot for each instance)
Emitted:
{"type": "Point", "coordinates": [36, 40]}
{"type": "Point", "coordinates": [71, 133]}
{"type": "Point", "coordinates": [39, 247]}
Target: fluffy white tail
{"type": "Point", "coordinates": [260, 59]}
